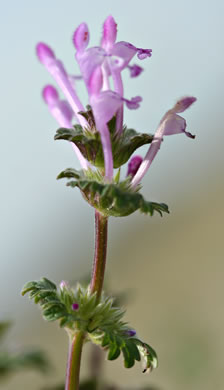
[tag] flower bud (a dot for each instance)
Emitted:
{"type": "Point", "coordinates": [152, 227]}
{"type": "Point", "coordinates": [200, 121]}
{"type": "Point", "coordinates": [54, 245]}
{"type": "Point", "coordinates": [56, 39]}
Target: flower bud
{"type": "Point", "coordinates": [75, 306]}
{"type": "Point", "coordinates": [134, 165]}
{"type": "Point", "coordinates": [130, 332]}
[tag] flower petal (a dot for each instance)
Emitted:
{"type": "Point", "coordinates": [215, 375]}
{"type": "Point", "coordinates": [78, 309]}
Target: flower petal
{"type": "Point", "coordinates": [58, 72]}
{"type": "Point", "coordinates": [89, 60]}
{"type": "Point", "coordinates": [184, 103]}
{"type": "Point", "coordinates": [44, 53]}
{"type": "Point", "coordinates": [62, 112]}
{"type": "Point", "coordinates": [175, 124]}
{"type": "Point", "coordinates": [133, 103]}
{"type": "Point", "coordinates": [105, 105]}
{"type": "Point", "coordinates": [50, 95]}
{"type": "Point", "coordinates": [170, 124]}
{"type": "Point", "coordinates": [135, 70]}
{"type": "Point", "coordinates": [144, 53]}
{"type": "Point", "coordinates": [81, 37]}
{"type": "Point", "coordinates": [96, 81]}
{"type": "Point", "coordinates": [109, 32]}
{"type": "Point", "coordinates": [124, 50]}
{"type": "Point", "coordinates": [107, 148]}
{"type": "Point", "coordinates": [134, 165]}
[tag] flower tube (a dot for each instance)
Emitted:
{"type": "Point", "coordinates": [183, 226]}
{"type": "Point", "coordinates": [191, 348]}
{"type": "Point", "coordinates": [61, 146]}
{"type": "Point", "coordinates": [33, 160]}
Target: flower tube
{"type": "Point", "coordinates": [57, 70]}
{"type": "Point", "coordinates": [63, 114]}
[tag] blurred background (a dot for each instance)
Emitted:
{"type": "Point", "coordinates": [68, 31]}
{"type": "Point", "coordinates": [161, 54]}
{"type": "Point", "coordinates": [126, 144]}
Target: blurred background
{"type": "Point", "coordinates": [171, 267]}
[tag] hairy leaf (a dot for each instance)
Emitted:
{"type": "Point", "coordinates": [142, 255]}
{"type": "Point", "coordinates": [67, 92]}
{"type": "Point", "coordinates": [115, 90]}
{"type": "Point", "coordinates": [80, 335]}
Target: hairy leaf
{"type": "Point", "coordinates": [89, 144]}
{"type": "Point", "coordinates": [112, 199]}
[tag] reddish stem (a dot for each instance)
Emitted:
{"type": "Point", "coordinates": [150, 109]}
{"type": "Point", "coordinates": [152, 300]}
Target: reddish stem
{"type": "Point", "coordinates": [101, 223]}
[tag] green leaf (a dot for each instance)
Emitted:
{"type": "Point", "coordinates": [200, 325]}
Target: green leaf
{"type": "Point", "coordinates": [56, 304]}
{"type": "Point", "coordinates": [114, 352]}
{"type": "Point", "coordinates": [44, 292]}
{"type": "Point", "coordinates": [116, 340]}
{"type": "Point", "coordinates": [112, 199]}
{"type": "Point", "coordinates": [125, 145]}
{"type": "Point", "coordinates": [148, 354]}
{"type": "Point", "coordinates": [89, 142]}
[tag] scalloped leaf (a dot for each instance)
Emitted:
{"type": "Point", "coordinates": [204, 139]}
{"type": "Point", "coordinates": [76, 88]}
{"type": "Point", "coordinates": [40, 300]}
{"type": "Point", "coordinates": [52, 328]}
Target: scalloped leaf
{"type": "Point", "coordinates": [89, 144]}
{"type": "Point", "coordinates": [124, 146]}
{"type": "Point", "coordinates": [45, 293]}
{"type": "Point", "coordinates": [111, 199]}
{"type": "Point", "coordinates": [133, 349]}
{"type": "Point", "coordinates": [56, 304]}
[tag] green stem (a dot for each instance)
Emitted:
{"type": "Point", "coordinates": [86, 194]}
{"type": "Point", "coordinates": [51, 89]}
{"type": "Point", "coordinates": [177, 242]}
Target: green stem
{"type": "Point", "coordinates": [101, 223]}
{"type": "Point", "coordinates": [74, 359]}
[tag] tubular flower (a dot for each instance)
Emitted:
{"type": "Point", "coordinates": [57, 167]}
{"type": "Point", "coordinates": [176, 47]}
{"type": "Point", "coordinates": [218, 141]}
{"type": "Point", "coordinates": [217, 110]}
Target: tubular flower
{"type": "Point", "coordinates": [99, 137]}
{"type": "Point", "coordinates": [62, 112]}
{"type": "Point", "coordinates": [170, 124]}
{"type": "Point", "coordinates": [97, 65]}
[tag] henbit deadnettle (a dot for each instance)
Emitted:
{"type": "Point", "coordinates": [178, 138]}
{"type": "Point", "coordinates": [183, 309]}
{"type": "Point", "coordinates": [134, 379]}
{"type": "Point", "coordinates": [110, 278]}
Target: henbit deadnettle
{"type": "Point", "coordinates": [102, 143]}
{"type": "Point", "coordinates": [100, 67]}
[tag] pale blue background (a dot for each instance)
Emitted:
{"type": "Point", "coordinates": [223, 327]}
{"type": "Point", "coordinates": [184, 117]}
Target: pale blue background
{"type": "Point", "coordinates": [47, 229]}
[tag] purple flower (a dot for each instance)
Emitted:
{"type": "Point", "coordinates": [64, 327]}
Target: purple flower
{"type": "Point", "coordinates": [130, 332]}
{"type": "Point", "coordinates": [144, 53]}
{"type": "Point", "coordinates": [135, 70]}
{"type": "Point", "coordinates": [57, 70]}
{"type": "Point", "coordinates": [170, 124]}
{"type": "Point", "coordinates": [62, 112]}
{"type": "Point", "coordinates": [64, 284]}
{"type": "Point", "coordinates": [75, 306]}
{"type": "Point", "coordinates": [101, 70]}
{"type": "Point", "coordinates": [133, 165]}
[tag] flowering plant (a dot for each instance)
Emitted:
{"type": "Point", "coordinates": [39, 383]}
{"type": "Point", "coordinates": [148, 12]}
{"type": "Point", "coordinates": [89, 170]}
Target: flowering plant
{"type": "Point", "coordinates": [102, 143]}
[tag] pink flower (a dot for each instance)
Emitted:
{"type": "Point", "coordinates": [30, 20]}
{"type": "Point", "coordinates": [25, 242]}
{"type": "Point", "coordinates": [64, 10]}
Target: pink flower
{"type": "Point", "coordinates": [62, 112]}
{"type": "Point", "coordinates": [170, 124]}
{"type": "Point", "coordinates": [101, 70]}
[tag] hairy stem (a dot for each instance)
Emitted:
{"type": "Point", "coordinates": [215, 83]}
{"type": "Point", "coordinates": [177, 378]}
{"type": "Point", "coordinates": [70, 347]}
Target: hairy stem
{"type": "Point", "coordinates": [96, 285]}
{"type": "Point", "coordinates": [99, 264]}
{"type": "Point", "coordinates": [74, 359]}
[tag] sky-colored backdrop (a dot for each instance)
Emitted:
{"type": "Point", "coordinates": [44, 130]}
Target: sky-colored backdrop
{"type": "Point", "coordinates": [47, 229]}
